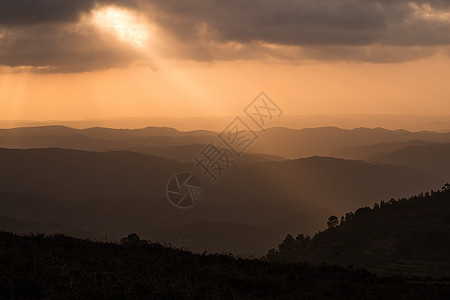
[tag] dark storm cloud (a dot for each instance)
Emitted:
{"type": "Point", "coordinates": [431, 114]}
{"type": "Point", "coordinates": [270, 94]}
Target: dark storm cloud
{"type": "Point", "coordinates": [17, 12]}
{"type": "Point", "coordinates": [282, 21]}
{"type": "Point", "coordinates": [63, 49]}
{"type": "Point", "coordinates": [47, 33]}
{"type": "Point", "coordinates": [351, 30]}
{"type": "Point", "coordinates": [28, 12]}
{"type": "Point", "coordinates": [307, 22]}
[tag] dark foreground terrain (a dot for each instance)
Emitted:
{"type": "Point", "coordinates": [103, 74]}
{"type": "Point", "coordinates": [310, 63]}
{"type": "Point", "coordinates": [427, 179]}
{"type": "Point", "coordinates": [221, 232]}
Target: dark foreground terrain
{"type": "Point", "coordinates": [408, 237]}
{"type": "Point", "coordinates": [61, 267]}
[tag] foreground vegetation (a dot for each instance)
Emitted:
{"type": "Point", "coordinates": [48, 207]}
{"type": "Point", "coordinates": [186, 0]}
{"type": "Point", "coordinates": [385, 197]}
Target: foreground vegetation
{"type": "Point", "coordinates": [405, 236]}
{"type": "Point", "coordinates": [61, 267]}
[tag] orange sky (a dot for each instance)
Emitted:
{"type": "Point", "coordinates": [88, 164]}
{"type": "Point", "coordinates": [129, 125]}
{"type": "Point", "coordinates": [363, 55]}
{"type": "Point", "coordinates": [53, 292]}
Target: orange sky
{"type": "Point", "coordinates": [154, 60]}
{"type": "Point", "coordinates": [224, 88]}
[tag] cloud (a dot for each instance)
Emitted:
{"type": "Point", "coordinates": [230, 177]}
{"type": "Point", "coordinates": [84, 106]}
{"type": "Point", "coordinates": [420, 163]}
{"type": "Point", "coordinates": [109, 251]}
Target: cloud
{"type": "Point", "coordinates": [280, 22]}
{"type": "Point", "coordinates": [52, 32]}
{"type": "Point", "coordinates": [27, 12]}
{"type": "Point", "coordinates": [309, 22]}
{"type": "Point", "coordinates": [57, 36]}
{"type": "Point", "coordinates": [382, 31]}
{"type": "Point", "coordinates": [31, 12]}
{"type": "Point", "coordinates": [64, 48]}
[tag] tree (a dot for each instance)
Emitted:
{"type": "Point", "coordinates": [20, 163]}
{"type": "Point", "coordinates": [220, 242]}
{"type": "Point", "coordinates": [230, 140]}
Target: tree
{"type": "Point", "coordinates": [446, 187]}
{"type": "Point", "coordinates": [301, 241]}
{"type": "Point", "coordinates": [349, 216]}
{"type": "Point", "coordinates": [287, 245]}
{"type": "Point", "coordinates": [287, 248]}
{"type": "Point", "coordinates": [333, 221]}
{"type": "Point", "coordinates": [132, 240]}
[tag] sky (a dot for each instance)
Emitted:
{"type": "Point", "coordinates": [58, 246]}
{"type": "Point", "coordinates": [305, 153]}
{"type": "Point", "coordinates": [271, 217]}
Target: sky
{"type": "Point", "coordinates": [80, 59]}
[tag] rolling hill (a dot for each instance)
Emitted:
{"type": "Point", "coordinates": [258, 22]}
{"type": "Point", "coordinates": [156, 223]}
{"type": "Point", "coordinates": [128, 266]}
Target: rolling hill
{"type": "Point", "coordinates": [116, 193]}
{"type": "Point", "coordinates": [337, 184]}
{"type": "Point", "coordinates": [61, 267]}
{"type": "Point", "coordinates": [325, 141]}
{"type": "Point", "coordinates": [369, 151]}
{"type": "Point", "coordinates": [283, 142]}
{"type": "Point", "coordinates": [405, 236]}
{"type": "Point", "coordinates": [432, 158]}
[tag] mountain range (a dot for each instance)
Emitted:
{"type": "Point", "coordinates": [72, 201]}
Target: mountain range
{"type": "Point", "coordinates": [98, 181]}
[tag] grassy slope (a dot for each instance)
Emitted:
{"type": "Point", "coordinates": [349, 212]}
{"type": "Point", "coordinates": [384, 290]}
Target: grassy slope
{"type": "Point", "coordinates": [407, 236]}
{"type": "Point", "coordinates": [62, 267]}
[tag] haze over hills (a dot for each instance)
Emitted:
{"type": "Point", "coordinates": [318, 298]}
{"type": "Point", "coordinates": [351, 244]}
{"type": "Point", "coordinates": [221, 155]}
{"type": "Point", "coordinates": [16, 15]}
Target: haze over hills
{"type": "Point", "coordinates": [185, 153]}
{"type": "Point", "coordinates": [114, 183]}
{"type": "Point", "coordinates": [121, 192]}
{"type": "Point", "coordinates": [433, 158]}
{"type": "Point", "coordinates": [325, 141]}
{"type": "Point", "coordinates": [283, 142]}
{"type": "Point", "coordinates": [404, 236]}
{"type": "Point", "coordinates": [217, 123]}
{"type": "Point", "coordinates": [99, 139]}
{"type": "Point", "coordinates": [337, 184]}
{"type": "Point", "coordinates": [368, 151]}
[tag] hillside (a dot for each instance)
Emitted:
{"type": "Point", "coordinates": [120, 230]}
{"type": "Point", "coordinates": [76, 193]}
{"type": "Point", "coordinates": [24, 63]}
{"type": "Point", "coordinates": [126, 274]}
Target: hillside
{"type": "Point", "coordinates": [116, 193]}
{"type": "Point", "coordinates": [433, 158]}
{"type": "Point", "coordinates": [367, 152]}
{"type": "Point", "coordinates": [324, 141]}
{"type": "Point", "coordinates": [185, 153]}
{"type": "Point", "coordinates": [23, 227]}
{"type": "Point", "coordinates": [280, 141]}
{"type": "Point", "coordinates": [60, 267]}
{"type": "Point", "coordinates": [337, 184]}
{"type": "Point", "coordinates": [77, 175]}
{"type": "Point", "coordinates": [406, 236]}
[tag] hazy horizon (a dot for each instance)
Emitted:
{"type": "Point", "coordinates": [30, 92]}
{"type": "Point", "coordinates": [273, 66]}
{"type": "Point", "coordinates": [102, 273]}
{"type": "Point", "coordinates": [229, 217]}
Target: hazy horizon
{"type": "Point", "coordinates": [427, 122]}
{"type": "Point", "coordinates": [96, 59]}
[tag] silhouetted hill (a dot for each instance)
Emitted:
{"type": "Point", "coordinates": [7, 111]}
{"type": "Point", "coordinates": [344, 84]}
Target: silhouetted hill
{"type": "Point", "coordinates": [325, 141]}
{"type": "Point", "coordinates": [185, 153]}
{"type": "Point", "coordinates": [24, 132]}
{"type": "Point", "coordinates": [101, 139]}
{"type": "Point", "coordinates": [337, 184]}
{"type": "Point", "coordinates": [119, 192]}
{"type": "Point", "coordinates": [408, 236]}
{"type": "Point", "coordinates": [22, 227]}
{"type": "Point", "coordinates": [369, 151]}
{"type": "Point", "coordinates": [219, 237]}
{"type": "Point", "coordinates": [60, 267]}
{"type": "Point", "coordinates": [77, 175]}
{"type": "Point", "coordinates": [433, 158]}
{"type": "Point", "coordinates": [98, 132]}
{"type": "Point", "coordinates": [284, 142]}
{"type": "Point", "coordinates": [217, 123]}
